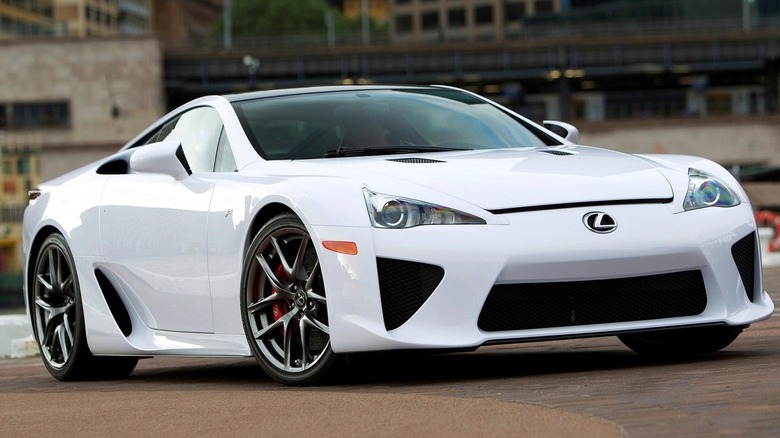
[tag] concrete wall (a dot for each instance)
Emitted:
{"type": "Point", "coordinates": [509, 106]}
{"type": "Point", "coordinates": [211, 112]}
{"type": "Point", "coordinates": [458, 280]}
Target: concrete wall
{"type": "Point", "coordinates": [114, 87]}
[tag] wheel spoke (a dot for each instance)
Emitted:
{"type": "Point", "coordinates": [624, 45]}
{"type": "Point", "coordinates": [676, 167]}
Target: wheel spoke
{"type": "Point", "coordinates": [269, 273]}
{"type": "Point", "coordinates": [51, 311]}
{"type": "Point", "coordinates": [281, 322]}
{"type": "Point", "coordinates": [45, 283]}
{"type": "Point", "coordinates": [297, 266]}
{"type": "Point", "coordinates": [312, 276]}
{"type": "Point", "coordinates": [286, 266]}
{"type": "Point", "coordinates": [316, 324]}
{"type": "Point", "coordinates": [304, 343]}
{"type": "Point", "coordinates": [48, 334]}
{"type": "Point", "coordinates": [52, 256]}
{"type": "Point", "coordinates": [315, 296]}
{"type": "Point", "coordinates": [265, 302]}
{"type": "Point", "coordinates": [66, 285]}
{"type": "Point", "coordinates": [68, 331]}
{"type": "Point", "coordinates": [64, 348]}
{"type": "Point", "coordinates": [288, 340]}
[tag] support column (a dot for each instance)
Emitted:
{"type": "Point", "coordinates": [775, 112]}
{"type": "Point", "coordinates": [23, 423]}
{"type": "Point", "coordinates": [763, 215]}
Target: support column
{"type": "Point", "coordinates": [772, 87]}
{"type": "Point", "coordinates": [564, 98]}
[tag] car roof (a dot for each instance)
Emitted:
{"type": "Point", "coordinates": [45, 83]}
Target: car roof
{"type": "Point", "coordinates": [309, 90]}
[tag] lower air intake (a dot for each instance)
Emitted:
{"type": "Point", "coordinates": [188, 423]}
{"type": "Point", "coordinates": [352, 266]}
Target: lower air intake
{"type": "Point", "coordinates": [404, 287]}
{"type": "Point", "coordinates": [543, 305]}
{"type": "Point", "coordinates": [744, 253]}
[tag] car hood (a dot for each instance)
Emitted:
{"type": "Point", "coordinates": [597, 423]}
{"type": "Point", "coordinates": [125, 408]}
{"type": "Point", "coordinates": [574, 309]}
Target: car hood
{"type": "Point", "coordinates": [521, 178]}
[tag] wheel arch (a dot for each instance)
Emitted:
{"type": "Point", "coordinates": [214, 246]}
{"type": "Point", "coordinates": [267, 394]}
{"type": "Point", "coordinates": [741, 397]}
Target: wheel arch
{"type": "Point", "coordinates": [263, 216]}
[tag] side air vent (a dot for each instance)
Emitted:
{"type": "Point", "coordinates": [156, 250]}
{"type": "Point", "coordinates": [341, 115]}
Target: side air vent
{"type": "Point", "coordinates": [555, 152]}
{"type": "Point", "coordinates": [415, 160]}
{"type": "Point", "coordinates": [115, 304]}
{"type": "Point", "coordinates": [404, 287]}
{"type": "Point", "coordinates": [744, 253]}
{"type": "Point", "coordinates": [115, 167]}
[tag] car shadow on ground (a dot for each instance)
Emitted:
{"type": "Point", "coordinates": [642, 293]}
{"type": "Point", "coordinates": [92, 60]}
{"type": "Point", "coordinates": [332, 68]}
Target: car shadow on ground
{"type": "Point", "coordinates": [405, 368]}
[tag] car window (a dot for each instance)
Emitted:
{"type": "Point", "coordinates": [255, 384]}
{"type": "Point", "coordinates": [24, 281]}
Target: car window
{"type": "Point", "coordinates": [198, 131]}
{"type": "Point", "coordinates": [225, 161]}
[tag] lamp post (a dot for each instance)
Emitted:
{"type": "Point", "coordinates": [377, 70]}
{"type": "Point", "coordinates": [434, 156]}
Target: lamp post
{"type": "Point", "coordinates": [252, 65]}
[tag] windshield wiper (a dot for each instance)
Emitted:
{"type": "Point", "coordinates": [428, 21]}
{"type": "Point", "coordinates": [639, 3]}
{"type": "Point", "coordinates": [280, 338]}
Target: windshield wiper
{"type": "Point", "coordinates": [383, 150]}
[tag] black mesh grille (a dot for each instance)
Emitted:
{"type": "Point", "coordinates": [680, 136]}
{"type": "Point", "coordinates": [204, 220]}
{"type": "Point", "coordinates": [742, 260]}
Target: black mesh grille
{"type": "Point", "coordinates": [744, 253]}
{"type": "Point", "coordinates": [404, 287]}
{"type": "Point", "coordinates": [555, 152]}
{"type": "Point", "coordinates": [415, 160]}
{"type": "Point", "coordinates": [541, 305]}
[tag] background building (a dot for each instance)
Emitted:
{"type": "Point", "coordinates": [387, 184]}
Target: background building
{"type": "Point", "coordinates": [20, 19]}
{"type": "Point", "coordinates": [377, 9]}
{"type": "Point", "coordinates": [86, 18]}
{"type": "Point", "coordinates": [78, 100]}
{"type": "Point", "coordinates": [464, 20]}
{"type": "Point", "coordinates": [97, 18]}
{"type": "Point", "coordinates": [65, 103]}
{"type": "Point", "coordinates": [181, 21]}
{"type": "Point", "coordinates": [134, 16]}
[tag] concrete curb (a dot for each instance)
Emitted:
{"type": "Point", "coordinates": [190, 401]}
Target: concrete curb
{"type": "Point", "coordinates": [16, 339]}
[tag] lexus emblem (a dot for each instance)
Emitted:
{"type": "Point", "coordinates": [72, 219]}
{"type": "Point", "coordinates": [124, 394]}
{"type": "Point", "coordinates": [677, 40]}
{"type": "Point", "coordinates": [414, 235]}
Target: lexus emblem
{"type": "Point", "coordinates": [599, 222]}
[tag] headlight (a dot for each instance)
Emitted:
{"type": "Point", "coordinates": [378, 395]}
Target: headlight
{"type": "Point", "coordinates": [706, 191]}
{"type": "Point", "coordinates": [388, 211]}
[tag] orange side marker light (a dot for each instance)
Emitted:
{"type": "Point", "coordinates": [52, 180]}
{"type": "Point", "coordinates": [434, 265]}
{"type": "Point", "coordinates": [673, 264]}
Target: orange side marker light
{"type": "Point", "coordinates": [349, 248]}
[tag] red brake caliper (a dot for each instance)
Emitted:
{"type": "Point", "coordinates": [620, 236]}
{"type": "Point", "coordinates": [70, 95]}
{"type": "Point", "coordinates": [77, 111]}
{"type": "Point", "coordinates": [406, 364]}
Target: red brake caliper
{"type": "Point", "coordinates": [279, 308]}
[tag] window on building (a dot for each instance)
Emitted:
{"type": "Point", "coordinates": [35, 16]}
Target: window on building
{"type": "Point", "coordinates": [403, 24]}
{"type": "Point", "coordinates": [23, 165]}
{"type": "Point", "coordinates": [483, 14]}
{"type": "Point", "coordinates": [40, 115]}
{"type": "Point", "coordinates": [544, 6]}
{"type": "Point", "coordinates": [3, 118]}
{"type": "Point", "coordinates": [514, 11]}
{"type": "Point", "coordinates": [6, 25]}
{"type": "Point", "coordinates": [430, 20]}
{"type": "Point", "coordinates": [401, 2]}
{"type": "Point", "coordinates": [456, 18]}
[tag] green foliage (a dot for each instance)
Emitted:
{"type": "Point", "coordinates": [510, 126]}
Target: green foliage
{"type": "Point", "coordinates": [284, 17]}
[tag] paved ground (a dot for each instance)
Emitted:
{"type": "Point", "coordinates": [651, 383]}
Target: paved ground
{"type": "Point", "coordinates": [579, 388]}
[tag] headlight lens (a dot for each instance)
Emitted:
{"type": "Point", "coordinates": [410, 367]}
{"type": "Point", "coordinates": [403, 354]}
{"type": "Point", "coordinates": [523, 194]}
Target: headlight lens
{"type": "Point", "coordinates": [388, 211]}
{"type": "Point", "coordinates": [704, 190]}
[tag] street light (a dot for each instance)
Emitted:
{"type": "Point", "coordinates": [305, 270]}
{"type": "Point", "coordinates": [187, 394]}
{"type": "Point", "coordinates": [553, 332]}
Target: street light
{"type": "Point", "coordinates": [252, 65]}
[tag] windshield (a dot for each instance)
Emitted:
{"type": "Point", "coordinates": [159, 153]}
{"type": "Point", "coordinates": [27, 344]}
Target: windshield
{"type": "Point", "coordinates": [323, 125]}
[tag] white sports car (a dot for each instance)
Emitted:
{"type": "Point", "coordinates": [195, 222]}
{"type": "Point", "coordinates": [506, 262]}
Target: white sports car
{"type": "Point", "coordinates": [299, 225]}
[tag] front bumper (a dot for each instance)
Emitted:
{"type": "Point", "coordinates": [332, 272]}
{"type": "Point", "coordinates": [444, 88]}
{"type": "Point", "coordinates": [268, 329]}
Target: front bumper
{"type": "Point", "coordinates": [536, 247]}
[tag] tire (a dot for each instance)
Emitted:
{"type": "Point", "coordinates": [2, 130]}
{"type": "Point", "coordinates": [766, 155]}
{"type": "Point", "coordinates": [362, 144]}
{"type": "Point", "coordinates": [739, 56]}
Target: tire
{"type": "Point", "coordinates": [58, 319]}
{"type": "Point", "coordinates": [284, 305]}
{"type": "Point", "coordinates": [681, 342]}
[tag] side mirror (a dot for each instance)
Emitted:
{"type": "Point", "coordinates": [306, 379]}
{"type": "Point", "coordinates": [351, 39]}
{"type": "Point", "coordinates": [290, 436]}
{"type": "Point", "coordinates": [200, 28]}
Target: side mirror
{"type": "Point", "coordinates": [165, 157]}
{"type": "Point", "coordinates": [562, 129]}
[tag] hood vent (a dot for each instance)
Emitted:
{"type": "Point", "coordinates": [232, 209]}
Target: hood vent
{"type": "Point", "coordinates": [556, 152]}
{"type": "Point", "coordinates": [415, 160]}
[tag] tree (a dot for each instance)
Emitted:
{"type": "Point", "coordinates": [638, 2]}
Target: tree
{"type": "Point", "coordinates": [284, 17]}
